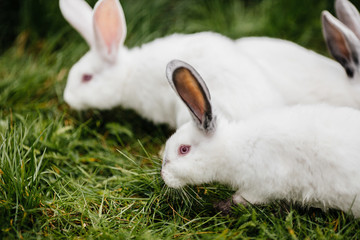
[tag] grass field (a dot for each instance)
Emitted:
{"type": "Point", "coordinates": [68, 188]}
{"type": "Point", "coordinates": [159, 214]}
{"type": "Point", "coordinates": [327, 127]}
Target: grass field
{"type": "Point", "coordinates": [96, 174]}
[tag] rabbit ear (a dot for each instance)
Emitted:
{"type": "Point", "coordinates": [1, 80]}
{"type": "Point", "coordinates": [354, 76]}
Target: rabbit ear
{"type": "Point", "coordinates": [192, 90]}
{"type": "Point", "coordinates": [79, 14]}
{"type": "Point", "coordinates": [349, 15]}
{"type": "Point", "coordinates": [341, 42]}
{"type": "Point", "coordinates": [110, 28]}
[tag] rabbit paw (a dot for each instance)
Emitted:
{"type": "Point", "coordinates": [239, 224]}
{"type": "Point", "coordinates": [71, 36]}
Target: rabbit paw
{"type": "Point", "coordinates": [224, 206]}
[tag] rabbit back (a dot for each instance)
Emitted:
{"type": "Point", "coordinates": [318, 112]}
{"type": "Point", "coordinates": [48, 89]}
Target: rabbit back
{"type": "Point", "coordinates": [301, 75]}
{"type": "Point", "coordinates": [215, 57]}
{"type": "Point", "coordinates": [305, 154]}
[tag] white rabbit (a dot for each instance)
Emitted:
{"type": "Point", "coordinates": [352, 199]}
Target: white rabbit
{"type": "Point", "coordinates": [110, 74]}
{"type": "Point", "coordinates": [305, 154]}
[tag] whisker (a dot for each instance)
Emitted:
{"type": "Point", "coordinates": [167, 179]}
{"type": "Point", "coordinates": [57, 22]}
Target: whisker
{"type": "Point", "coordinates": [197, 197]}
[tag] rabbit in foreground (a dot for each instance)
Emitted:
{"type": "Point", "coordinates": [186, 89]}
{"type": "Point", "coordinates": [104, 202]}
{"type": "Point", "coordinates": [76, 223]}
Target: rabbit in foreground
{"type": "Point", "coordinates": [305, 154]}
{"type": "Point", "coordinates": [110, 74]}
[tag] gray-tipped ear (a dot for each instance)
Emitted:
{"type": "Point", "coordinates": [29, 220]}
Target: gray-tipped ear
{"type": "Point", "coordinates": [192, 90]}
{"type": "Point", "coordinates": [342, 43]}
{"type": "Point", "coordinates": [349, 15]}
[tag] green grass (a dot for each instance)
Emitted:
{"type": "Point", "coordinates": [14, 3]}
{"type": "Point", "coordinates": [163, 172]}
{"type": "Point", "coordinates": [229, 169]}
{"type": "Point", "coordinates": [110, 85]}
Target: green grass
{"type": "Point", "coordinates": [95, 174]}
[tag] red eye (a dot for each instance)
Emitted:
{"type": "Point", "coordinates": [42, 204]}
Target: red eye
{"type": "Point", "coordinates": [86, 77]}
{"type": "Point", "coordinates": [184, 149]}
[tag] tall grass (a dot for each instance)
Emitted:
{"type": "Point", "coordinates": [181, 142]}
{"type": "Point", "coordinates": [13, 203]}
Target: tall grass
{"type": "Point", "coordinates": [95, 174]}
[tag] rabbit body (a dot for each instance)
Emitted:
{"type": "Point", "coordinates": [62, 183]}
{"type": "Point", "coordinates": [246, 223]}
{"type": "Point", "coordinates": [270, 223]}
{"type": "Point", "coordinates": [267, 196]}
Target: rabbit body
{"type": "Point", "coordinates": [308, 154]}
{"type": "Point", "coordinates": [301, 75]}
{"type": "Point", "coordinates": [305, 154]}
{"type": "Point", "coordinates": [138, 80]}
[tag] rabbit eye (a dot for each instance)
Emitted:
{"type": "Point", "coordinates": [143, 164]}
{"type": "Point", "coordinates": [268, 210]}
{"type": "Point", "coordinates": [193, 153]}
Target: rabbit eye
{"type": "Point", "coordinates": [86, 77]}
{"type": "Point", "coordinates": [184, 149]}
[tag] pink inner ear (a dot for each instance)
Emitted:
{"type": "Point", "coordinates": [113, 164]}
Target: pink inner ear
{"type": "Point", "coordinates": [338, 38]}
{"type": "Point", "coordinates": [108, 21]}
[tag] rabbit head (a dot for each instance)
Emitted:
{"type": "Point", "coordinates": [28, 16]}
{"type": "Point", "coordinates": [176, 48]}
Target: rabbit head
{"type": "Point", "coordinates": [91, 79]}
{"type": "Point", "coordinates": [343, 37]}
{"type": "Point", "coordinates": [184, 161]}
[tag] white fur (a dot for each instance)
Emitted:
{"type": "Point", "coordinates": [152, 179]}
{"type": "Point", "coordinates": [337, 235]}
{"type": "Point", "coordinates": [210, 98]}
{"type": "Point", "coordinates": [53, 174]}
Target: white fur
{"type": "Point", "coordinates": [262, 73]}
{"type": "Point", "coordinates": [301, 75]}
{"type": "Point", "coordinates": [138, 80]}
{"type": "Point", "coordinates": [306, 154]}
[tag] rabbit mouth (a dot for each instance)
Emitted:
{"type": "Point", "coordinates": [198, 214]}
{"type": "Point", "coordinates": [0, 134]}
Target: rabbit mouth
{"type": "Point", "coordinates": [72, 101]}
{"type": "Point", "coordinates": [170, 180]}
